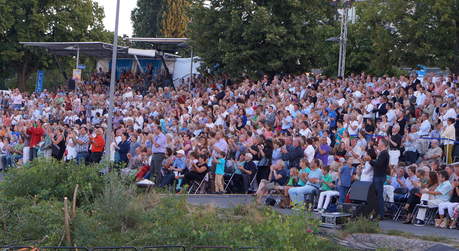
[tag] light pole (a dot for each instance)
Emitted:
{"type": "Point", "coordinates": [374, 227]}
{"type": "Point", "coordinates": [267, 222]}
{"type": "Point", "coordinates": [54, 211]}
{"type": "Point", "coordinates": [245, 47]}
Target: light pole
{"type": "Point", "coordinates": [191, 69]}
{"type": "Point", "coordinates": [108, 134]}
{"type": "Point", "coordinates": [343, 38]}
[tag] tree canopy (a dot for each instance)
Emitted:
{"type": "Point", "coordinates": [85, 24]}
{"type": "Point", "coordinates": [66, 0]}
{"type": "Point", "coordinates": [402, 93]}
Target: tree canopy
{"type": "Point", "coordinates": [408, 33]}
{"type": "Point", "coordinates": [249, 37]}
{"type": "Point", "coordinates": [175, 20]}
{"type": "Point", "coordinates": [245, 37]}
{"type": "Point", "coordinates": [146, 18]}
{"type": "Point", "coordinates": [43, 21]}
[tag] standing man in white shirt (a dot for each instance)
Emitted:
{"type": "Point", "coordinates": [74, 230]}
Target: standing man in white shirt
{"type": "Point", "coordinates": [425, 127]}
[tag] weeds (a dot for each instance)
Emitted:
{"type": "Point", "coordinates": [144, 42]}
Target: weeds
{"type": "Point", "coordinates": [361, 225]}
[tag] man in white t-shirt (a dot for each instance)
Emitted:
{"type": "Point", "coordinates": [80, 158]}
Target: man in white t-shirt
{"type": "Point", "coordinates": [309, 152]}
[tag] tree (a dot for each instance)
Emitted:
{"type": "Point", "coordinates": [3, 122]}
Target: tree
{"type": "Point", "coordinates": [44, 21]}
{"type": "Point", "coordinates": [175, 19]}
{"type": "Point", "coordinates": [409, 33]}
{"type": "Point", "coordinates": [250, 37]}
{"type": "Point", "coordinates": [146, 18]}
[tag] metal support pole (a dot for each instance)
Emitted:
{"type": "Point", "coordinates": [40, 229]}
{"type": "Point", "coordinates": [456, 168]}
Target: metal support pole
{"type": "Point", "coordinates": [108, 135]}
{"type": "Point", "coordinates": [343, 39]}
{"type": "Point", "coordinates": [191, 69]}
{"type": "Point", "coordinates": [78, 57]}
{"type": "Point", "coordinates": [138, 63]}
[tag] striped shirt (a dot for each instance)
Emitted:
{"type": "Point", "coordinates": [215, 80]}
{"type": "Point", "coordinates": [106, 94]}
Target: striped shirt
{"type": "Point", "coordinates": [84, 146]}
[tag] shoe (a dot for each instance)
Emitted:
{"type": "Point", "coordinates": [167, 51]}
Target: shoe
{"type": "Point", "coordinates": [438, 222]}
{"type": "Point", "coordinates": [453, 225]}
{"type": "Point", "coordinates": [444, 224]}
{"type": "Point", "coordinates": [408, 220]}
{"type": "Point", "coordinates": [419, 223]}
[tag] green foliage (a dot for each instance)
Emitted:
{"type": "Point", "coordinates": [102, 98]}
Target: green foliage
{"type": "Point", "coordinates": [146, 18]}
{"type": "Point", "coordinates": [43, 21]}
{"type": "Point", "coordinates": [173, 221]}
{"type": "Point", "coordinates": [361, 225]}
{"type": "Point", "coordinates": [112, 213]}
{"type": "Point", "coordinates": [27, 222]}
{"type": "Point", "coordinates": [250, 37]}
{"type": "Point", "coordinates": [396, 33]}
{"type": "Point", "coordinates": [50, 179]}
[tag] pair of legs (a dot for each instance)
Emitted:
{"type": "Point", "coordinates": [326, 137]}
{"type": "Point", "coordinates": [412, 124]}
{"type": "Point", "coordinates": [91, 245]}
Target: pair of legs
{"type": "Point", "coordinates": [378, 183]}
{"type": "Point", "coordinates": [325, 198]}
{"type": "Point", "coordinates": [388, 193]}
{"type": "Point", "coordinates": [450, 207]}
{"type": "Point", "coordinates": [219, 184]}
{"type": "Point", "coordinates": [297, 193]}
{"type": "Point", "coordinates": [421, 215]}
{"type": "Point", "coordinates": [413, 199]}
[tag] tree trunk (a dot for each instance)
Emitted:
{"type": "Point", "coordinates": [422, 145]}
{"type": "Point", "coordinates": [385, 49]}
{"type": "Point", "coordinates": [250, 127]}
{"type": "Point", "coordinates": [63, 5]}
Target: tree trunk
{"type": "Point", "coordinates": [23, 74]}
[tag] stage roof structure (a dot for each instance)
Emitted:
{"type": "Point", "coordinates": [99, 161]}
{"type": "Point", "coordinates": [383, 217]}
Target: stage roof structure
{"type": "Point", "coordinates": [160, 41]}
{"type": "Point", "coordinates": [92, 49]}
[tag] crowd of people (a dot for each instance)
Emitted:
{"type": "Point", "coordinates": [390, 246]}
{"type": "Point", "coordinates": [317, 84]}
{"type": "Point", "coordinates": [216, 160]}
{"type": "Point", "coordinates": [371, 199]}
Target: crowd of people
{"type": "Point", "coordinates": [296, 135]}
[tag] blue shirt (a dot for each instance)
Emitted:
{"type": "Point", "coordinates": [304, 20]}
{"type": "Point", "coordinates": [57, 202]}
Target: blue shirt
{"type": "Point", "coordinates": [315, 174]}
{"type": "Point", "coordinates": [220, 168]}
{"type": "Point", "coordinates": [346, 173]}
{"type": "Point", "coordinates": [179, 163]}
{"type": "Point", "coordinates": [237, 170]}
{"type": "Point", "coordinates": [444, 188]}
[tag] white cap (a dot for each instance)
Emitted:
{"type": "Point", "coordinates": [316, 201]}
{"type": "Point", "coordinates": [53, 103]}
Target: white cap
{"type": "Point", "coordinates": [181, 152]}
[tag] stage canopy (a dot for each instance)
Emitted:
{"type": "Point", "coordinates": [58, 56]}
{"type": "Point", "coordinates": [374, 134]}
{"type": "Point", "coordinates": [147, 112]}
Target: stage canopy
{"type": "Point", "coordinates": [92, 49]}
{"type": "Point", "coordinates": [159, 41]}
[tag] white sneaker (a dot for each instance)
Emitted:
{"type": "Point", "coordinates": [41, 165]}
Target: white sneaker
{"type": "Point", "coordinates": [146, 182]}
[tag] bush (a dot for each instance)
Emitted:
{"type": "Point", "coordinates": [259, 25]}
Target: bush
{"type": "Point", "coordinates": [173, 221]}
{"type": "Point", "coordinates": [50, 179]}
{"type": "Point", "coordinates": [28, 222]}
{"type": "Point", "coordinates": [113, 213]}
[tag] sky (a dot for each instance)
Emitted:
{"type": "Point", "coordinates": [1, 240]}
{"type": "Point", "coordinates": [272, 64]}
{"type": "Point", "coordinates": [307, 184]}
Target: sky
{"type": "Point", "coordinates": [126, 6]}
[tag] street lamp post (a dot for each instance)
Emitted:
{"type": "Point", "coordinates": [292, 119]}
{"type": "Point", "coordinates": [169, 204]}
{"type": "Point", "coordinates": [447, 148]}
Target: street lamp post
{"type": "Point", "coordinates": [343, 38]}
{"type": "Point", "coordinates": [112, 86]}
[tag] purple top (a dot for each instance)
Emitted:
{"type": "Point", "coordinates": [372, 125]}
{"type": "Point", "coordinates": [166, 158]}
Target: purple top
{"type": "Point", "coordinates": [323, 157]}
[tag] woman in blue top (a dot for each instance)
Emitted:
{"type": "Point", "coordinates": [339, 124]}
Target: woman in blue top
{"type": "Point", "coordinates": [312, 185]}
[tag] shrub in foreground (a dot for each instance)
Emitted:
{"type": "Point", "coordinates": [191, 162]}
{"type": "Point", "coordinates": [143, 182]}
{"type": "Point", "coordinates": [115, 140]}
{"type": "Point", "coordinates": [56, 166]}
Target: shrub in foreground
{"type": "Point", "coordinates": [50, 179]}
{"type": "Point", "coordinates": [112, 213]}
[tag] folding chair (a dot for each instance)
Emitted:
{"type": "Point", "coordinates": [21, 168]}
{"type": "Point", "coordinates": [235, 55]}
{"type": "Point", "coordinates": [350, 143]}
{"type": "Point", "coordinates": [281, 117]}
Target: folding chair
{"type": "Point", "coordinates": [253, 186]}
{"type": "Point", "coordinates": [197, 185]}
{"type": "Point", "coordinates": [228, 182]}
{"type": "Point", "coordinates": [230, 171]}
{"type": "Point", "coordinates": [430, 213]}
{"type": "Point", "coordinates": [398, 205]}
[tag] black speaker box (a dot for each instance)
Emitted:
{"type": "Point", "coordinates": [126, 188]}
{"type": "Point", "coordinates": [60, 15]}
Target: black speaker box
{"type": "Point", "coordinates": [363, 198]}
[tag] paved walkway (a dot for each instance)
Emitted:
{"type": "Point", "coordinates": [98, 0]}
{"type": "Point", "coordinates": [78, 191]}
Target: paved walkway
{"type": "Point", "coordinates": [229, 201]}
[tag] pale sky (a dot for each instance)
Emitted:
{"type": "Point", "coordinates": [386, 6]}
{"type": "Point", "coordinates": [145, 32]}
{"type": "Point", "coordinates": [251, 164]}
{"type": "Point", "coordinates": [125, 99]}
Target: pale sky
{"type": "Point", "coordinates": [125, 25]}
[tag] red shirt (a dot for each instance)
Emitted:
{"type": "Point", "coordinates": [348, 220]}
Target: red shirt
{"type": "Point", "coordinates": [97, 144]}
{"type": "Point", "coordinates": [35, 135]}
